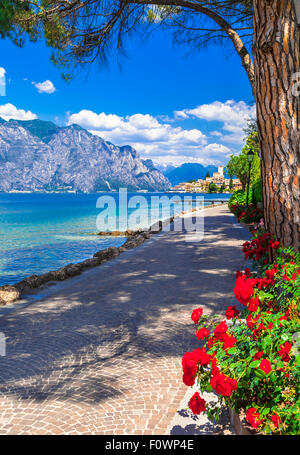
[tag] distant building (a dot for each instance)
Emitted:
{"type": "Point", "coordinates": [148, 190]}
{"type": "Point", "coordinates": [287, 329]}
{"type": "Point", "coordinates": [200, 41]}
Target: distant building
{"type": "Point", "coordinates": [202, 186]}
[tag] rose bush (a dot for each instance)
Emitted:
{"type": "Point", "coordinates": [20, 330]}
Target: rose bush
{"type": "Point", "coordinates": [248, 215]}
{"type": "Point", "coordinates": [251, 359]}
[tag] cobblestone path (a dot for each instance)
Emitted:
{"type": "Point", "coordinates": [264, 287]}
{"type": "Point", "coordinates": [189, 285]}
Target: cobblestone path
{"type": "Point", "coordinates": [101, 353]}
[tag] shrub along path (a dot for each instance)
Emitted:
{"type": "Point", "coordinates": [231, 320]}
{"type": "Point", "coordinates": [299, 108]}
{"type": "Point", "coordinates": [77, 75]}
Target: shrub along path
{"type": "Point", "coordinates": [101, 352]}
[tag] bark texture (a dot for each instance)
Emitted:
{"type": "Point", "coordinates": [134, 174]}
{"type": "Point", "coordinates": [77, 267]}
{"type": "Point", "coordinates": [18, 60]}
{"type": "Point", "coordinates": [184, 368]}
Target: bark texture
{"type": "Point", "coordinates": [276, 60]}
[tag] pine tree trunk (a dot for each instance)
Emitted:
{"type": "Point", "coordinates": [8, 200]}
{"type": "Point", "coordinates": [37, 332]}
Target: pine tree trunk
{"type": "Point", "coordinates": [276, 60]}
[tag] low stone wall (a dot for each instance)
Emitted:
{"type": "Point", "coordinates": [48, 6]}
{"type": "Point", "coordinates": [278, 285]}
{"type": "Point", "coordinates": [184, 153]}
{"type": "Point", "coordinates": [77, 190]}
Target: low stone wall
{"type": "Point", "coordinates": [241, 427]}
{"type": "Point", "coordinates": [10, 294]}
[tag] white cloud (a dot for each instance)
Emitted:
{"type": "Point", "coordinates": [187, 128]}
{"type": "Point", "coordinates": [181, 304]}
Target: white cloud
{"type": "Point", "coordinates": [233, 115]}
{"type": "Point", "coordinates": [45, 87]}
{"type": "Point", "coordinates": [9, 111]}
{"type": "Point", "coordinates": [152, 138]}
{"type": "Point", "coordinates": [159, 139]}
{"type": "Point", "coordinates": [230, 111]}
{"type": "Point", "coordinates": [2, 72]}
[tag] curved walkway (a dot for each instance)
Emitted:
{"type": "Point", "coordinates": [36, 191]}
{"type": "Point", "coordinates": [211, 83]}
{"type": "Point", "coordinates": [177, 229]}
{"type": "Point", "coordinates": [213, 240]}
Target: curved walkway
{"type": "Point", "coordinates": [101, 352]}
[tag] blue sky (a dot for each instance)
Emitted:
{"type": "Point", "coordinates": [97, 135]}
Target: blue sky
{"type": "Point", "coordinates": [172, 107]}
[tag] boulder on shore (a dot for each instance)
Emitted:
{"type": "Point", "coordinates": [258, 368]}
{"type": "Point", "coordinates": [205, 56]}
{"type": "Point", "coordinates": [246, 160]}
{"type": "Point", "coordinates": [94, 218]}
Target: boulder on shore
{"type": "Point", "coordinates": [92, 262]}
{"type": "Point", "coordinates": [9, 294]}
{"type": "Point", "coordinates": [127, 233]}
{"type": "Point", "coordinates": [134, 242]}
{"type": "Point", "coordinates": [66, 272]}
{"type": "Point", "coordinates": [107, 253]}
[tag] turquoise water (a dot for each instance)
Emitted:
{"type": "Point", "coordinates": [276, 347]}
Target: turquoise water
{"type": "Point", "coordinates": [42, 232]}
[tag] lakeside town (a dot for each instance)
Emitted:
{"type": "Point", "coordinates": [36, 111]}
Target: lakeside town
{"type": "Point", "coordinates": [217, 183]}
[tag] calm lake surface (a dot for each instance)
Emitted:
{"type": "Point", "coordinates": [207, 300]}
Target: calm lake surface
{"type": "Point", "coordinates": [43, 232]}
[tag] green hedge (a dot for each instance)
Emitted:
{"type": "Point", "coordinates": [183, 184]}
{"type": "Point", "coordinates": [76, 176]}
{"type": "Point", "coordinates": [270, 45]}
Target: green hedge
{"type": "Point", "coordinates": [239, 197]}
{"type": "Point", "coordinates": [255, 195]}
{"type": "Point", "coordinates": [257, 192]}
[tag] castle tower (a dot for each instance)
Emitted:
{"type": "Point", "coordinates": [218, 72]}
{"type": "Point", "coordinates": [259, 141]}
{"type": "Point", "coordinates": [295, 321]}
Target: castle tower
{"type": "Point", "coordinates": [220, 170]}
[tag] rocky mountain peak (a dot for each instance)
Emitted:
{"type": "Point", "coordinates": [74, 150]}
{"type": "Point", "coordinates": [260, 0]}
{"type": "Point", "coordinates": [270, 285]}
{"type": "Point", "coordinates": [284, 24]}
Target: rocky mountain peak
{"type": "Point", "coordinates": [40, 156]}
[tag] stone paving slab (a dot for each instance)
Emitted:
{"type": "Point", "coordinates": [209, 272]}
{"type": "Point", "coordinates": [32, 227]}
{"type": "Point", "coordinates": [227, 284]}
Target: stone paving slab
{"type": "Point", "coordinates": [101, 352]}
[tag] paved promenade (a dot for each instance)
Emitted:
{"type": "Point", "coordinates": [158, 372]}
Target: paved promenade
{"type": "Point", "coordinates": [101, 353]}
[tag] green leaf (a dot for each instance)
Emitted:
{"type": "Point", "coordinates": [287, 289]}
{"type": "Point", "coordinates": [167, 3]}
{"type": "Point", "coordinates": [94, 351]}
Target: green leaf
{"type": "Point", "coordinates": [254, 364]}
{"type": "Point", "coordinates": [260, 374]}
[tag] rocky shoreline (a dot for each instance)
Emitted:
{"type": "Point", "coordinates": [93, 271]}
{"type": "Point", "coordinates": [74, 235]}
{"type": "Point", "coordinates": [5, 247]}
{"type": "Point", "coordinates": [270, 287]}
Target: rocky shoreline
{"type": "Point", "coordinates": [12, 293]}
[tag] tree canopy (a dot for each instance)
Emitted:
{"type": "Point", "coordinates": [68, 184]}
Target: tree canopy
{"type": "Point", "coordinates": [238, 165]}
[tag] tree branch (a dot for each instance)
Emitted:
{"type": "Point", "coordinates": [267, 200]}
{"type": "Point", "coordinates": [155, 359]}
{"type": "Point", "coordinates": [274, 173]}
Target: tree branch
{"type": "Point", "coordinates": [231, 33]}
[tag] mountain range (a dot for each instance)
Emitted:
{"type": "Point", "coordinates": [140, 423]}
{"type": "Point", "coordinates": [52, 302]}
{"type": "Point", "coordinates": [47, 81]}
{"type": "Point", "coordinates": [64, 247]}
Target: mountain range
{"type": "Point", "coordinates": [36, 155]}
{"type": "Point", "coordinates": [188, 171]}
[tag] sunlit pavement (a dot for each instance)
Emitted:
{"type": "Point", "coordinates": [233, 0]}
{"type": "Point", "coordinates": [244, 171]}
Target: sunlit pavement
{"type": "Point", "coordinates": [101, 353]}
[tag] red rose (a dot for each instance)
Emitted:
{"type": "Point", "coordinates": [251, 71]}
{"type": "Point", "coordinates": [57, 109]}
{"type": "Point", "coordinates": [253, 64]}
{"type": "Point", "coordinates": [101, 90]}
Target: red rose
{"type": "Point", "coordinates": [201, 356]}
{"type": "Point", "coordinates": [190, 362]}
{"type": "Point", "coordinates": [252, 416]}
{"type": "Point", "coordinates": [188, 379]}
{"type": "Point", "coordinates": [276, 419]}
{"type": "Point", "coordinates": [284, 350]}
{"type": "Point", "coordinates": [222, 384]}
{"type": "Point", "coordinates": [196, 315]}
{"type": "Point", "coordinates": [253, 305]}
{"type": "Point", "coordinates": [197, 404]}
{"type": "Point", "coordinates": [258, 355]}
{"type": "Point", "coordinates": [232, 312]}
{"type": "Point", "coordinates": [202, 333]}
{"type": "Point", "coordinates": [220, 330]}
{"type": "Point", "coordinates": [244, 288]}
{"type": "Point", "coordinates": [229, 341]}
{"type": "Point", "coordinates": [265, 366]}
{"type": "Point", "coordinates": [189, 366]}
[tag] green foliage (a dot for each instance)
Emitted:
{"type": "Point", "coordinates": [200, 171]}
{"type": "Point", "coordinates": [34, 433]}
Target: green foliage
{"type": "Point", "coordinates": [256, 190]}
{"type": "Point", "coordinates": [238, 165]}
{"type": "Point", "coordinates": [253, 362]}
{"type": "Point", "coordinates": [212, 188]}
{"type": "Point", "coordinates": [20, 19]}
{"type": "Point", "coordinates": [9, 10]}
{"type": "Point", "coordinates": [273, 392]}
{"type": "Point", "coordinates": [239, 197]}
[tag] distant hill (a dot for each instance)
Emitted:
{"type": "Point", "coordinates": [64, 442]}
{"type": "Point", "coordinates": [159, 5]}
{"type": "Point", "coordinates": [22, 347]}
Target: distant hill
{"type": "Point", "coordinates": [188, 171]}
{"type": "Point", "coordinates": [41, 156]}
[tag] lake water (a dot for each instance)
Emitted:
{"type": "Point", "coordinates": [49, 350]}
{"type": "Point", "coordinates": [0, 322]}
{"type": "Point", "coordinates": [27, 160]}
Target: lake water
{"type": "Point", "coordinates": [43, 232]}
